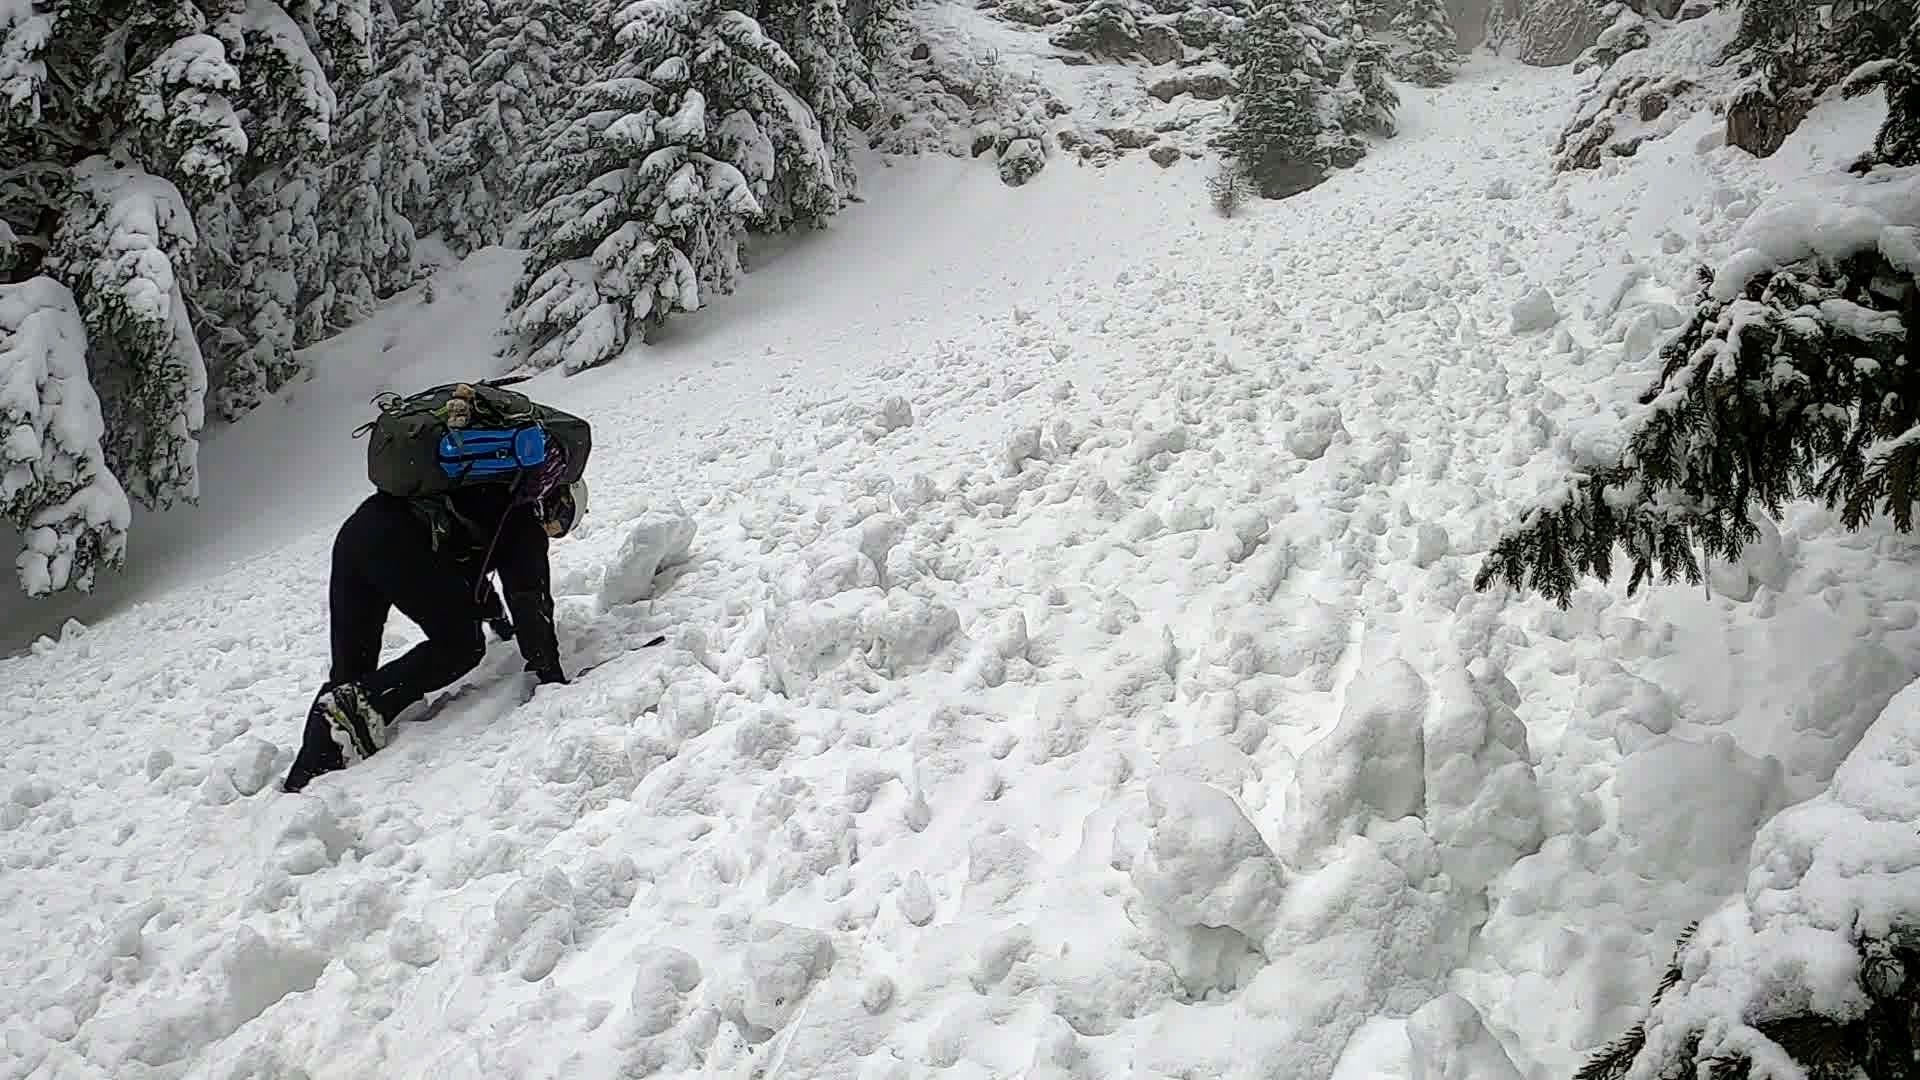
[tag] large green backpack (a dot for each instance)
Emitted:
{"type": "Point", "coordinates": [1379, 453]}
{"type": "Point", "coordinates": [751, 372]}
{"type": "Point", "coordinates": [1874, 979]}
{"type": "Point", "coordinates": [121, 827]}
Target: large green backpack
{"type": "Point", "coordinates": [460, 434]}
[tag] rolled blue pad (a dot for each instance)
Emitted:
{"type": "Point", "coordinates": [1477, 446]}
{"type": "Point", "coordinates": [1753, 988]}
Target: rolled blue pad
{"type": "Point", "coordinates": [490, 452]}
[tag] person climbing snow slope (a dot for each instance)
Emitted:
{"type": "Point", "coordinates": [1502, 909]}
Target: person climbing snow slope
{"type": "Point", "coordinates": [429, 555]}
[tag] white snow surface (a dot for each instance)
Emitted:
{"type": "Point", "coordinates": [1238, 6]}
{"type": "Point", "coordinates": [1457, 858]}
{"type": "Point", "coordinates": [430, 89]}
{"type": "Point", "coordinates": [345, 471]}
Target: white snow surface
{"type": "Point", "coordinates": [1072, 667]}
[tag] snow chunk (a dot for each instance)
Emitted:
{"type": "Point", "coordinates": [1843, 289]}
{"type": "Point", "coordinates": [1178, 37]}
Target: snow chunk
{"type": "Point", "coordinates": [1482, 799]}
{"type": "Point", "coordinates": [1370, 766]}
{"type": "Point", "coordinates": [1205, 865]}
{"type": "Point", "coordinates": [533, 925]}
{"type": "Point", "coordinates": [1534, 312]}
{"type": "Point", "coordinates": [249, 765]}
{"type": "Point", "coordinates": [1690, 808]}
{"type": "Point", "coordinates": [1842, 700]}
{"type": "Point", "coordinates": [783, 963]}
{"type": "Point", "coordinates": [663, 977]}
{"type": "Point", "coordinates": [895, 634]}
{"type": "Point", "coordinates": [1451, 1042]}
{"type": "Point", "coordinates": [657, 540]}
{"type": "Point", "coordinates": [1314, 431]}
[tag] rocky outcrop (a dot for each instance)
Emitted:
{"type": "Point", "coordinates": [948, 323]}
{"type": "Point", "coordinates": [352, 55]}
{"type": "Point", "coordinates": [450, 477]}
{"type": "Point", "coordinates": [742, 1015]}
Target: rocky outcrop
{"type": "Point", "coordinates": [1555, 32]}
{"type": "Point", "coordinates": [1624, 115]}
{"type": "Point", "coordinates": [1760, 123]}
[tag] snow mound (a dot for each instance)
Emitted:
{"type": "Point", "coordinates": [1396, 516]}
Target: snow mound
{"type": "Point", "coordinates": [656, 540]}
{"type": "Point", "coordinates": [1823, 875]}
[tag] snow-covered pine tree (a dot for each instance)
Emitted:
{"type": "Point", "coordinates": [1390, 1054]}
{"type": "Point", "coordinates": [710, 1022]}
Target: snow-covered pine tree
{"type": "Point", "coordinates": [1371, 14]}
{"type": "Point", "coordinates": [1361, 99]}
{"type": "Point", "coordinates": [55, 485]}
{"type": "Point", "coordinates": [261, 273]}
{"type": "Point", "coordinates": [120, 126]}
{"type": "Point", "coordinates": [759, 123]}
{"type": "Point", "coordinates": [1429, 50]}
{"type": "Point", "coordinates": [1898, 141]}
{"type": "Point", "coordinates": [835, 80]}
{"type": "Point", "coordinates": [1275, 129]}
{"type": "Point", "coordinates": [647, 187]}
{"type": "Point", "coordinates": [513, 95]}
{"type": "Point", "coordinates": [381, 179]}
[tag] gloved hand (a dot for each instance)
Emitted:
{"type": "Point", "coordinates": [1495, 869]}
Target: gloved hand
{"type": "Point", "coordinates": [502, 627]}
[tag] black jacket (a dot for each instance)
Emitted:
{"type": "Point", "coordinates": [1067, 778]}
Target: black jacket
{"type": "Point", "coordinates": [488, 532]}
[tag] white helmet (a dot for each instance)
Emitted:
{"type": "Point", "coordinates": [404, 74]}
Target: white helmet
{"type": "Point", "coordinates": [563, 508]}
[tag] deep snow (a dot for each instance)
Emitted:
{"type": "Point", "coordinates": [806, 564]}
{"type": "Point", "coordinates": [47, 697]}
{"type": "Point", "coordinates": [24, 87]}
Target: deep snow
{"type": "Point", "coordinates": [1073, 669]}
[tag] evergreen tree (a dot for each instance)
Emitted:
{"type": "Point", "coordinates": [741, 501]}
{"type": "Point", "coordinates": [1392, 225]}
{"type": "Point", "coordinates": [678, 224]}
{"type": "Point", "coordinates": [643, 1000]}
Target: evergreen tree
{"type": "Point", "coordinates": [1362, 98]}
{"type": "Point", "coordinates": [382, 169]}
{"type": "Point", "coordinates": [836, 82]}
{"type": "Point", "coordinates": [128, 133]}
{"type": "Point", "coordinates": [260, 270]}
{"type": "Point", "coordinates": [514, 90]}
{"type": "Point", "coordinates": [647, 186]}
{"type": "Point", "coordinates": [1898, 142]}
{"type": "Point", "coordinates": [1429, 50]}
{"type": "Point", "coordinates": [1785, 384]}
{"type": "Point", "coordinates": [1275, 130]}
{"type": "Point", "coordinates": [1759, 400]}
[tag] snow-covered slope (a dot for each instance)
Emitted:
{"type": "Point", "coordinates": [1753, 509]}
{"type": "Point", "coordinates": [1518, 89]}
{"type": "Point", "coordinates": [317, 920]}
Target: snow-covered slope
{"type": "Point", "coordinates": [1072, 669]}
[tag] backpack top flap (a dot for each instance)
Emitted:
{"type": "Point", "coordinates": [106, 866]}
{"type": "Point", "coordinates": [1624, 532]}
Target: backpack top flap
{"type": "Point", "coordinates": [406, 447]}
{"type": "Point", "coordinates": [457, 434]}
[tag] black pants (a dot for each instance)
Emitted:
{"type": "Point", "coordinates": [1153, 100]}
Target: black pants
{"type": "Point", "coordinates": [383, 559]}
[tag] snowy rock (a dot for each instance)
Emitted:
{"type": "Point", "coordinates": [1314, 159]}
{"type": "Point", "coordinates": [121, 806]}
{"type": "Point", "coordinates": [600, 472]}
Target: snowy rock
{"type": "Point", "coordinates": [1534, 312]}
{"type": "Point", "coordinates": [1501, 188]}
{"type": "Point", "coordinates": [159, 760]}
{"type": "Point", "coordinates": [1370, 766]}
{"type": "Point", "coordinates": [1482, 798]}
{"type": "Point", "coordinates": [656, 541]}
{"type": "Point", "coordinates": [1839, 703]}
{"type": "Point", "coordinates": [1020, 160]}
{"type": "Point", "coordinates": [1161, 44]}
{"type": "Point", "coordinates": [1314, 431]}
{"type": "Point", "coordinates": [1205, 865]}
{"type": "Point", "coordinates": [1451, 1042]}
{"type": "Point", "coordinates": [1690, 808]}
{"type": "Point", "coordinates": [783, 962]}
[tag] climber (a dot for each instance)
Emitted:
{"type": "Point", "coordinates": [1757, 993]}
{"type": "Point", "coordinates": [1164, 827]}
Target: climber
{"type": "Point", "coordinates": [384, 557]}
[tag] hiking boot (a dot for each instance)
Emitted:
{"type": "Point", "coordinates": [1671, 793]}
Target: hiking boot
{"type": "Point", "coordinates": [358, 728]}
